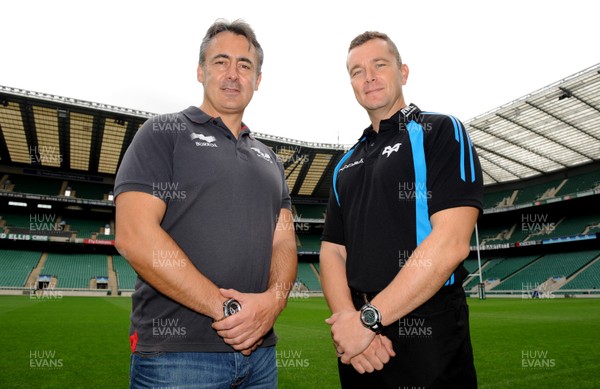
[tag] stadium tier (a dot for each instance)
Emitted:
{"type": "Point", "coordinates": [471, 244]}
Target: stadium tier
{"type": "Point", "coordinates": [541, 170]}
{"type": "Point", "coordinates": [308, 211]}
{"type": "Point", "coordinates": [126, 276]}
{"type": "Point", "coordinates": [35, 185]}
{"type": "Point", "coordinates": [542, 191]}
{"type": "Point", "coordinates": [472, 265]}
{"type": "Point", "coordinates": [86, 228]}
{"type": "Point", "coordinates": [308, 277]}
{"type": "Point", "coordinates": [540, 270]}
{"type": "Point", "coordinates": [309, 243]}
{"type": "Point", "coordinates": [497, 199]}
{"type": "Point", "coordinates": [588, 279]}
{"type": "Point", "coordinates": [580, 183]}
{"type": "Point", "coordinates": [501, 268]}
{"type": "Point", "coordinates": [15, 267]}
{"type": "Point", "coordinates": [75, 270]}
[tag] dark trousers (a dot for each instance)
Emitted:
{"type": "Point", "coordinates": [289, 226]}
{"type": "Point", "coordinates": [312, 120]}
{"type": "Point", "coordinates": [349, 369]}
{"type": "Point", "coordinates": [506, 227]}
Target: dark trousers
{"type": "Point", "coordinates": [432, 345]}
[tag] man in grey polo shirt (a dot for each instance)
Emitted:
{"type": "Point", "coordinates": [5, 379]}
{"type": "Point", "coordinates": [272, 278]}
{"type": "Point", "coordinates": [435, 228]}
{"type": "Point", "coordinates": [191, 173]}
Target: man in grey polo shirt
{"type": "Point", "coordinates": [203, 216]}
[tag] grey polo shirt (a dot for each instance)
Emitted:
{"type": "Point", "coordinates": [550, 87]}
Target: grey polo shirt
{"type": "Point", "coordinates": [223, 197]}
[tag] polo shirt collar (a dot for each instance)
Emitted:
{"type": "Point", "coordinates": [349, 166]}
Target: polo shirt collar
{"type": "Point", "coordinates": [198, 116]}
{"type": "Point", "coordinates": [385, 125]}
{"type": "Point", "coordinates": [403, 116]}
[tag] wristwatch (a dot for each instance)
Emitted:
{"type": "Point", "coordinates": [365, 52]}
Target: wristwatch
{"type": "Point", "coordinates": [231, 306]}
{"type": "Point", "coordinates": [370, 317]}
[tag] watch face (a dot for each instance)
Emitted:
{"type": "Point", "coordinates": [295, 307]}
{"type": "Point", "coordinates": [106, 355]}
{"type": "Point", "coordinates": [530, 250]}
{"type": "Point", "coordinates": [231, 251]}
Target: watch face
{"type": "Point", "coordinates": [369, 317]}
{"type": "Point", "coordinates": [231, 307]}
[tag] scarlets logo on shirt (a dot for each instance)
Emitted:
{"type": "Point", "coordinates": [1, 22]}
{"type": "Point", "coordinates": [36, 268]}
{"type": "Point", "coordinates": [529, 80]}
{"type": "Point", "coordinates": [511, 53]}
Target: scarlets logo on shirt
{"type": "Point", "coordinates": [202, 140]}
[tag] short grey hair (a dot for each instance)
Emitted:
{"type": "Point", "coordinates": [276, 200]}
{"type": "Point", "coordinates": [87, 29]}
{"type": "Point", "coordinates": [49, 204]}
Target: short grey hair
{"type": "Point", "coordinates": [238, 27]}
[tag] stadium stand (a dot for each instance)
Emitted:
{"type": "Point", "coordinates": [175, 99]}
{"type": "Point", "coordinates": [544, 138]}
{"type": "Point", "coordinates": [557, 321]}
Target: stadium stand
{"type": "Point", "coordinates": [309, 243]}
{"type": "Point", "coordinates": [502, 268]}
{"type": "Point", "coordinates": [88, 190]}
{"type": "Point", "coordinates": [126, 276]}
{"type": "Point", "coordinates": [570, 226]}
{"type": "Point", "coordinates": [580, 183]}
{"type": "Point", "coordinates": [75, 270]}
{"type": "Point", "coordinates": [15, 266]}
{"type": "Point", "coordinates": [472, 265]}
{"type": "Point", "coordinates": [537, 192]}
{"type": "Point", "coordinates": [537, 162]}
{"type": "Point", "coordinates": [490, 235]}
{"type": "Point", "coordinates": [561, 265]}
{"type": "Point", "coordinates": [86, 228]}
{"type": "Point", "coordinates": [16, 220]}
{"type": "Point", "coordinates": [307, 211]}
{"type": "Point", "coordinates": [498, 199]}
{"type": "Point", "coordinates": [307, 276]}
{"type": "Point", "coordinates": [36, 185]}
{"type": "Point", "coordinates": [588, 279]}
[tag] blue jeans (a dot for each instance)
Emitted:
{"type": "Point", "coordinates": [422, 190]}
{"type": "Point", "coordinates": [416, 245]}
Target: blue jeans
{"type": "Point", "coordinates": [204, 370]}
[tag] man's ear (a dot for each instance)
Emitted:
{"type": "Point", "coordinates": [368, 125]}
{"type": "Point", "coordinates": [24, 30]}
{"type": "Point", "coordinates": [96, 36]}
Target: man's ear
{"type": "Point", "coordinates": [200, 74]}
{"type": "Point", "coordinates": [404, 71]}
{"type": "Point", "coordinates": [257, 83]}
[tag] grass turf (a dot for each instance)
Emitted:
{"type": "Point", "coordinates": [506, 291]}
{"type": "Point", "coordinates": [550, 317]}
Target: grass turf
{"type": "Point", "coordinates": [82, 342]}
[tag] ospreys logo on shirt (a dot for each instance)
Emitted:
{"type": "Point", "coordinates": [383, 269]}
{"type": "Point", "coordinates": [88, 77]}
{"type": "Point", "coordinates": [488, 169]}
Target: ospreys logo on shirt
{"type": "Point", "coordinates": [262, 155]}
{"type": "Point", "coordinates": [202, 140]}
{"type": "Point", "coordinates": [390, 149]}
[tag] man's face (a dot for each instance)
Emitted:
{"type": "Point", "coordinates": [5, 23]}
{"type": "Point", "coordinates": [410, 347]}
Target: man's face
{"type": "Point", "coordinates": [229, 74]}
{"type": "Point", "coordinates": [375, 75]}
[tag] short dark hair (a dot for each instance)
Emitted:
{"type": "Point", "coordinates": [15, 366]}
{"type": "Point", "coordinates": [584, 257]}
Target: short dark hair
{"type": "Point", "coordinates": [238, 27]}
{"type": "Point", "coordinates": [370, 35]}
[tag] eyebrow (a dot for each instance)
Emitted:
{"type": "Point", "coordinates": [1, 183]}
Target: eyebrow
{"type": "Point", "coordinates": [240, 59]}
{"type": "Point", "coordinates": [374, 60]}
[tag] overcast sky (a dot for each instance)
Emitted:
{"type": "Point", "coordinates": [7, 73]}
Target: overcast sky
{"type": "Point", "coordinates": [465, 57]}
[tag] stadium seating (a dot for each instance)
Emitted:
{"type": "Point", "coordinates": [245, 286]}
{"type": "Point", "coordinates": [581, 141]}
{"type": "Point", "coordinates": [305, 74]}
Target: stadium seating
{"type": "Point", "coordinates": [36, 185]}
{"type": "Point", "coordinates": [587, 279]}
{"type": "Point", "coordinates": [501, 268]}
{"type": "Point", "coordinates": [86, 228]}
{"type": "Point", "coordinates": [537, 192]}
{"type": "Point", "coordinates": [75, 270]}
{"type": "Point", "coordinates": [551, 265]}
{"type": "Point", "coordinates": [496, 199]}
{"type": "Point", "coordinates": [574, 225]}
{"type": "Point", "coordinates": [15, 266]}
{"type": "Point", "coordinates": [520, 231]}
{"type": "Point", "coordinates": [16, 220]}
{"type": "Point", "coordinates": [580, 183]}
{"type": "Point", "coordinates": [309, 211]}
{"type": "Point", "coordinates": [126, 276]}
{"type": "Point", "coordinates": [489, 235]}
{"type": "Point", "coordinates": [472, 265]}
{"type": "Point", "coordinates": [309, 243]}
{"type": "Point", "coordinates": [307, 276]}
{"type": "Point", "coordinates": [89, 190]}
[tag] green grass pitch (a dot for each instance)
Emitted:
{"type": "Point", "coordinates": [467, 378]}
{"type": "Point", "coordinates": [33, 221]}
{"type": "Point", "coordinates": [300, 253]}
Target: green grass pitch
{"type": "Point", "coordinates": [82, 342]}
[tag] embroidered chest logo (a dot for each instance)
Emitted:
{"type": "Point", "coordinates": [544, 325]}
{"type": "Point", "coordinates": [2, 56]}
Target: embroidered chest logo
{"type": "Point", "coordinates": [352, 164]}
{"type": "Point", "coordinates": [262, 155]}
{"type": "Point", "coordinates": [202, 140]}
{"type": "Point", "coordinates": [390, 149]}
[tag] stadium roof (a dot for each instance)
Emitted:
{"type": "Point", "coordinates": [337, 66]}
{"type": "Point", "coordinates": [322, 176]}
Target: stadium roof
{"type": "Point", "coordinates": [554, 128]}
